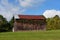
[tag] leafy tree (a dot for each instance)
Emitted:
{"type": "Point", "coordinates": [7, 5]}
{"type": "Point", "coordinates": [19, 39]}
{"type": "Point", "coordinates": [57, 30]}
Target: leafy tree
{"type": "Point", "coordinates": [53, 23]}
{"type": "Point", "coordinates": [3, 23]}
{"type": "Point", "coordinates": [57, 22]}
{"type": "Point", "coordinates": [11, 23]}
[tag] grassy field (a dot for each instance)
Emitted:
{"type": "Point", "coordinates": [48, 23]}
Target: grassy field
{"type": "Point", "coordinates": [31, 35]}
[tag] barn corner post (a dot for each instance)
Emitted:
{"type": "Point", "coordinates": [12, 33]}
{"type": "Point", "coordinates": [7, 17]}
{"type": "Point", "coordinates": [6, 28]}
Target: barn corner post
{"type": "Point", "coordinates": [13, 29]}
{"type": "Point", "coordinates": [13, 24]}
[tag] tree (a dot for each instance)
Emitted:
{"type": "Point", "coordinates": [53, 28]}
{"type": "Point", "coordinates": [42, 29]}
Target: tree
{"type": "Point", "coordinates": [3, 23]}
{"type": "Point", "coordinates": [53, 23]}
{"type": "Point", "coordinates": [57, 22]}
{"type": "Point", "coordinates": [11, 23]}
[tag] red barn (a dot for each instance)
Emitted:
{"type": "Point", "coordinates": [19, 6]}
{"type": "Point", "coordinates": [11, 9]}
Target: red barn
{"type": "Point", "coordinates": [29, 22]}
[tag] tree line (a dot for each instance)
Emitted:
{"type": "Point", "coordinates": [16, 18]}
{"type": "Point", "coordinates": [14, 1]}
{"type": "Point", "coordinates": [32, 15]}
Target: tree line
{"type": "Point", "coordinates": [51, 24]}
{"type": "Point", "coordinates": [6, 26]}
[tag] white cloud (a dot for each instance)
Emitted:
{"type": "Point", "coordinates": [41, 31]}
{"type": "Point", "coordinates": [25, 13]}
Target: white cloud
{"type": "Point", "coordinates": [30, 3]}
{"type": "Point", "coordinates": [6, 13]}
{"type": "Point", "coordinates": [25, 3]}
{"type": "Point", "coordinates": [51, 13]}
{"type": "Point", "coordinates": [8, 9]}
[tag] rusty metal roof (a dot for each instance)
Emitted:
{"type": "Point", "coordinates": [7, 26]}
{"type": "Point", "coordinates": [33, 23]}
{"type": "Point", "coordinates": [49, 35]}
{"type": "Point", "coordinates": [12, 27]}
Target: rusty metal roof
{"type": "Point", "coordinates": [31, 17]}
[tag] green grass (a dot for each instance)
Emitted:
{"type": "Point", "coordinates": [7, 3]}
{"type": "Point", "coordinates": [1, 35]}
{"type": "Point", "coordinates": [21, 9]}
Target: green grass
{"type": "Point", "coordinates": [31, 35]}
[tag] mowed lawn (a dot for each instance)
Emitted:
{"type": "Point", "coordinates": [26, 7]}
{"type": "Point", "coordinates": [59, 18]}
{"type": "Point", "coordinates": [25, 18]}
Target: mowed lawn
{"type": "Point", "coordinates": [31, 35]}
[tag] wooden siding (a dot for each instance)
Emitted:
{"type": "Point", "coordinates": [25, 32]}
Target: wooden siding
{"type": "Point", "coordinates": [29, 26]}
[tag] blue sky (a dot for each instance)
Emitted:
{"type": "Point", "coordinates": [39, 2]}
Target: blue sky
{"type": "Point", "coordinates": [47, 5]}
{"type": "Point", "coordinates": [48, 8]}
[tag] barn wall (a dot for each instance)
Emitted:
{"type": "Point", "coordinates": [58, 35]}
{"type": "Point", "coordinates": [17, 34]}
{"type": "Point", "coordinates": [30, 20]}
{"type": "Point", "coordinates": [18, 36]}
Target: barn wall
{"type": "Point", "coordinates": [29, 26]}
